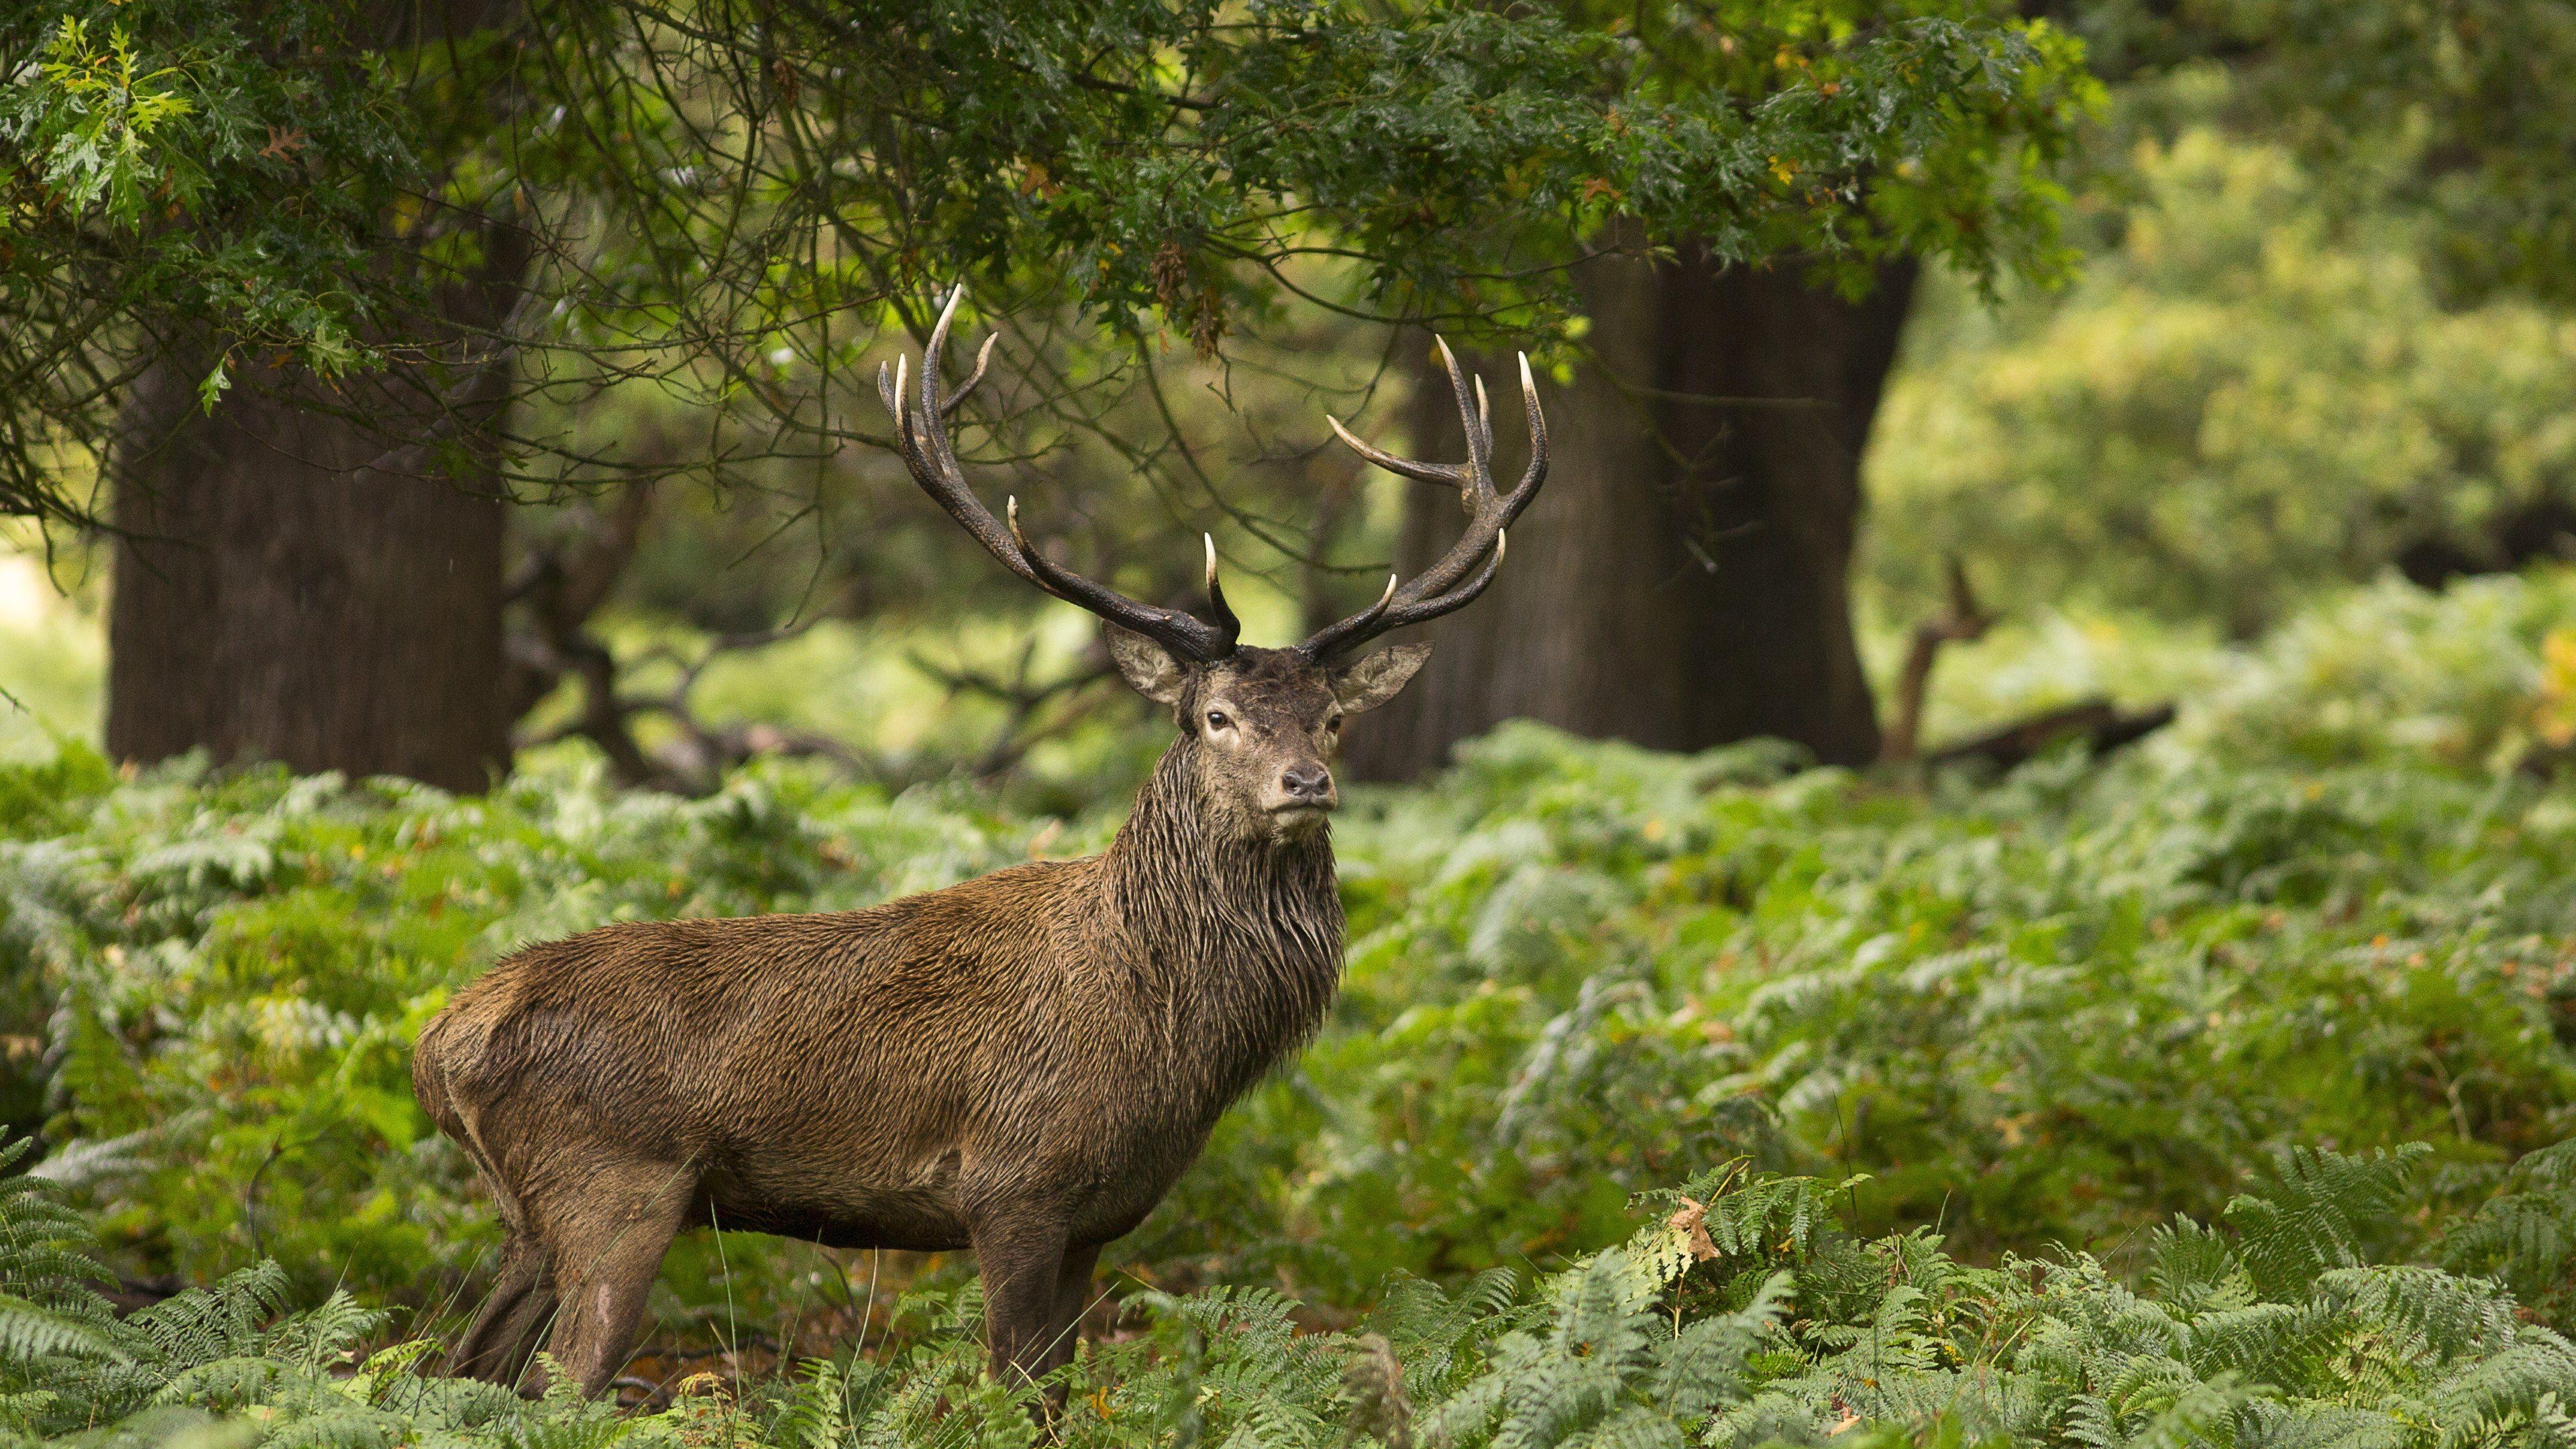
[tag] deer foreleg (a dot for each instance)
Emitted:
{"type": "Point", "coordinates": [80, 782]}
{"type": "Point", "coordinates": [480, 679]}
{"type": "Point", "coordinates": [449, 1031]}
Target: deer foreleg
{"type": "Point", "coordinates": [1022, 1262]}
{"type": "Point", "coordinates": [1072, 1297]}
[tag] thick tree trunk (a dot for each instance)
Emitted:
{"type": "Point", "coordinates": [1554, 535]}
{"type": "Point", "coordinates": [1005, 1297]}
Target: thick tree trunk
{"type": "Point", "coordinates": [312, 573]}
{"type": "Point", "coordinates": [1682, 582]}
{"type": "Point", "coordinates": [295, 586]}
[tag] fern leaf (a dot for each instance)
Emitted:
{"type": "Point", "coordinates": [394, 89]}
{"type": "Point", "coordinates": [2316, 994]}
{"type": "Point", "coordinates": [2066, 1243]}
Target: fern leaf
{"type": "Point", "coordinates": [32, 1330]}
{"type": "Point", "coordinates": [2317, 1211]}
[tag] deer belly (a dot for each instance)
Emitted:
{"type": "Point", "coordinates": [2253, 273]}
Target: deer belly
{"type": "Point", "coordinates": [919, 1210]}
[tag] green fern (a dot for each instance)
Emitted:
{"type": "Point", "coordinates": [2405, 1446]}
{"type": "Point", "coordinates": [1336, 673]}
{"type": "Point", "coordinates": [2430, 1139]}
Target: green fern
{"type": "Point", "coordinates": [1800, 1333]}
{"type": "Point", "coordinates": [2526, 1234]}
{"type": "Point", "coordinates": [814, 1411]}
{"type": "Point", "coordinates": [2314, 1214]}
{"type": "Point", "coordinates": [2194, 1269]}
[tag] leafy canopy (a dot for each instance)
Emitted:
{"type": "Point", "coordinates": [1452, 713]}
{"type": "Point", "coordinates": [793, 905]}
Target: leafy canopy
{"type": "Point", "coordinates": [736, 196]}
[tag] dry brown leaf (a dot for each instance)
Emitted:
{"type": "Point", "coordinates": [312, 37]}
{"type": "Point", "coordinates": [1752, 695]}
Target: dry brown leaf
{"type": "Point", "coordinates": [1691, 1221]}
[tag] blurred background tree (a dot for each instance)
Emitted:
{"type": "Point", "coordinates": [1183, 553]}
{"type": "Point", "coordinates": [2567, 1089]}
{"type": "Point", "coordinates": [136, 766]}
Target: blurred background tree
{"type": "Point", "coordinates": [500, 211]}
{"type": "Point", "coordinates": [1684, 580]}
{"type": "Point", "coordinates": [2320, 331]}
{"type": "Point", "coordinates": [457, 380]}
{"type": "Point", "coordinates": [2322, 244]}
{"type": "Point", "coordinates": [2253, 394]}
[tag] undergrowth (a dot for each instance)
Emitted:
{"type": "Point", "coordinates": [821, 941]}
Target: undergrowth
{"type": "Point", "coordinates": [2074, 1006]}
{"type": "Point", "coordinates": [1742, 1314]}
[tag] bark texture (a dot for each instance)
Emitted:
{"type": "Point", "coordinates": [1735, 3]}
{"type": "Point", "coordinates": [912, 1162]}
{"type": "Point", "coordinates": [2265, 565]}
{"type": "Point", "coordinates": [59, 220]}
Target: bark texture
{"type": "Point", "coordinates": [1683, 579]}
{"type": "Point", "coordinates": [292, 585]}
{"type": "Point", "coordinates": [312, 574]}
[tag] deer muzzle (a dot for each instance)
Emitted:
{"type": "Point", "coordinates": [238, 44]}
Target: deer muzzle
{"type": "Point", "coordinates": [1303, 790]}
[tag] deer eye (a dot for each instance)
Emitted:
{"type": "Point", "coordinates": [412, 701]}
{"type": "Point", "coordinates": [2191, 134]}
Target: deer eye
{"type": "Point", "coordinates": [1334, 724]}
{"type": "Point", "coordinates": [1217, 720]}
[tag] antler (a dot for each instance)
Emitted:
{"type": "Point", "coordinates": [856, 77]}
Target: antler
{"type": "Point", "coordinates": [1438, 589]}
{"type": "Point", "coordinates": [922, 434]}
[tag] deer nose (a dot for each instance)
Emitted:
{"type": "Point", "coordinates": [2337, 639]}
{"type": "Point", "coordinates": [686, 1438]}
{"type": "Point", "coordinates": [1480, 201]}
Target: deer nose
{"type": "Point", "coordinates": [1307, 783]}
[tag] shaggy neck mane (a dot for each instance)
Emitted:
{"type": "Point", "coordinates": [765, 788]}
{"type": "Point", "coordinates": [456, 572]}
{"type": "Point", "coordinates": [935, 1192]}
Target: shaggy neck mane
{"type": "Point", "coordinates": [1244, 936]}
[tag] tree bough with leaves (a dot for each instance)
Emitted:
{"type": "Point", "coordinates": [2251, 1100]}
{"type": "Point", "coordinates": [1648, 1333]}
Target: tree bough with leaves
{"type": "Point", "coordinates": [361, 231]}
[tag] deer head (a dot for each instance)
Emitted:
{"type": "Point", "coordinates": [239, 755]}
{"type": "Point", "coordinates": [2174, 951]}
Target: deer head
{"type": "Point", "coordinates": [1260, 726]}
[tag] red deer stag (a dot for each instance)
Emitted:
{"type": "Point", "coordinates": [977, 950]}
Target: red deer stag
{"type": "Point", "coordinates": [1022, 1064]}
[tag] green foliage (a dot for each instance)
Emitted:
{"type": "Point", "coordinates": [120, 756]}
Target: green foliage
{"type": "Point", "coordinates": [2476, 679]}
{"type": "Point", "coordinates": [2526, 1234]}
{"type": "Point", "coordinates": [734, 199]}
{"type": "Point", "coordinates": [96, 144]}
{"type": "Point", "coordinates": [2330, 906]}
{"type": "Point", "coordinates": [2473, 680]}
{"type": "Point", "coordinates": [2060, 1008]}
{"type": "Point", "coordinates": [2451, 93]}
{"type": "Point", "coordinates": [2436, 108]}
{"type": "Point", "coordinates": [158, 163]}
{"type": "Point", "coordinates": [2257, 392]}
{"type": "Point", "coordinates": [69, 1362]}
{"type": "Point", "coordinates": [1667, 1340]}
{"type": "Point", "coordinates": [240, 967]}
{"type": "Point", "coordinates": [2056, 1011]}
{"type": "Point", "coordinates": [2310, 1221]}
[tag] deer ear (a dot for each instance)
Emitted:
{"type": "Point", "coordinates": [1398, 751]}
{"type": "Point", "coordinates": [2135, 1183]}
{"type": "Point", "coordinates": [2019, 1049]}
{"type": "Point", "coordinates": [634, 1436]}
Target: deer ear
{"type": "Point", "coordinates": [1374, 680]}
{"type": "Point", "coordinates": [1154, 672]}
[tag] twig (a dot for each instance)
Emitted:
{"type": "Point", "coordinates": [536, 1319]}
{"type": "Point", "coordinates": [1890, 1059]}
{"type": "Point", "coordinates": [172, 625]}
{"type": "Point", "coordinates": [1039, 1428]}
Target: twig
{"type": "Point", "coordinates": [1963, 620]}
{"type": "Point", "coordinates": [1021, 698]}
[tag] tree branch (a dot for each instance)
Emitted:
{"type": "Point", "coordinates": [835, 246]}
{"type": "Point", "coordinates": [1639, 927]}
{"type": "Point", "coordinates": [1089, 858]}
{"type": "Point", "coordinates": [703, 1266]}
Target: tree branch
{"type": "Point", "coordinates": [1962, 620]}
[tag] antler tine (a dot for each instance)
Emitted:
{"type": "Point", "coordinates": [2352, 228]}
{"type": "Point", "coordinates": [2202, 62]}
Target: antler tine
{"type": "Point", "coordinates": [1507, 508]}
{"type": "Point", "coordinates": [1487, 511]}
{"type": "Point", "coordinates": [966, 389]}
{"type": "Point", "coordinates": [1480, 438]}
{"type": "Point", "coordinates": [1364, 625]}
{"type": "Point", "coordinates": [1188, 637]}
{"type": "Point", "coordinates": [1385, 616]}
{"type": "Point", "coordinates": [1480, 441]}
{"type": "Point", "coordinates": [1460, 597]}
{"type": "Point", "coordinates": [1448, 475]}
{"type": "Point", "coordinates": [935, 354]}
{"type": "Point", "coordinates": [922, 438]}
{"type": "Point", "coordinates": [1226, 623]}
{"type": "Point", "coordinates": [1536, 473]}
{"type": "Point", "coordinates": [934, 466]}
{"type": "Point", "coordinates": [1456, 579]}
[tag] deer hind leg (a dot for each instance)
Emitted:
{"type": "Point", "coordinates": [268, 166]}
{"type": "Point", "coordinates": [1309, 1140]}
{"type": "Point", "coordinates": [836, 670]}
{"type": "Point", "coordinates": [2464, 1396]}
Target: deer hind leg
{"type": "Point", "coordinates": [520, 1308]}
{"type": "Point", "coordinates": [514, 1318]}
{"type": "Point", "coordinates": [606, 1245]}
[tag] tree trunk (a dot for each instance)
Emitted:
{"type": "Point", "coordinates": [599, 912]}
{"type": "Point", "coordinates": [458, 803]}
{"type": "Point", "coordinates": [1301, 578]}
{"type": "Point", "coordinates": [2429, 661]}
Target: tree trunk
{"type": "Point", "coordinates": [284, 591]}
{"type": "Point", "coordinates": [312, 573]}
{"type": "Point", "coordinates": [1683, 579]}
